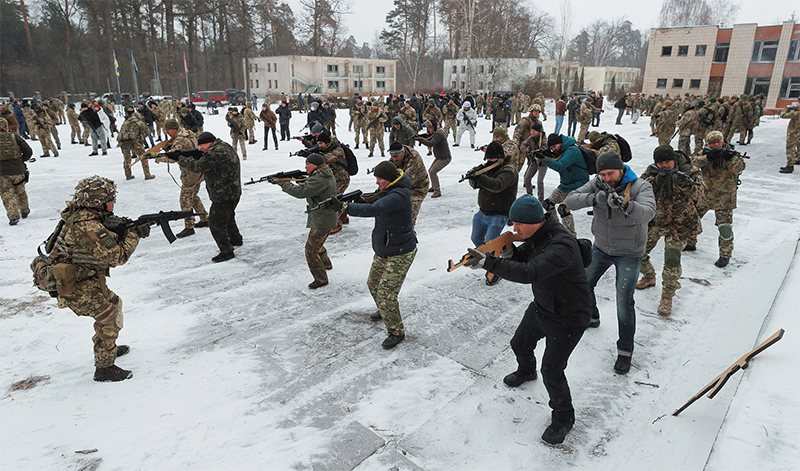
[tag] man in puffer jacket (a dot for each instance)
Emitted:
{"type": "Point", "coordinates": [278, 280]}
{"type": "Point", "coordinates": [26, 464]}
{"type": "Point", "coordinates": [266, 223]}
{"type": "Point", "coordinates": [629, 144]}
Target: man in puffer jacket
{"type": "Point", "coordinates": [568, 161]}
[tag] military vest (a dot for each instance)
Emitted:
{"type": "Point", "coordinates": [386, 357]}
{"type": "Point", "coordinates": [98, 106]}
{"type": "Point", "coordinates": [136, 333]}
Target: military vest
{"type": "Point", "coordinates": [9, 149]}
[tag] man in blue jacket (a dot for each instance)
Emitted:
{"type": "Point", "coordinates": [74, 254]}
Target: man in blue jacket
{"type": "Point", "coordinates": [619, 240]}
{"type": "Point", "coordinates": [393, 241]}
{"type": "Point", "coordinates": [568, 161]}
{"type": "Point", "coordinates": [550, 261]}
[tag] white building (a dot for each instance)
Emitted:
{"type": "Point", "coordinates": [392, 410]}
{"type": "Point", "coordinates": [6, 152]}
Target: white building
{"type": "Point", "coordinates": [601, 78]}
{"type": "Point", "coordinates": [310, 74]}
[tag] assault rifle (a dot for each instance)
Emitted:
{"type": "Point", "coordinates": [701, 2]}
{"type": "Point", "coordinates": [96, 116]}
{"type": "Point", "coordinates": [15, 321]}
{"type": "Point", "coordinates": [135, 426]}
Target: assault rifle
{"type": "Point", "coordinates": [481, 148]}
{"type": "Point", "coordinates": [423, 135]}
{"type": "Point", "coordinates": [742, 363]}
{"type": "Point", "coordinates": [121, 225]}
{"type": "Point", "coordinates": [343, 197]}
{"type": "Point", "coordinates": [673, 174]}
{"type": "Point", "coordinates": [304, 137]}
{"type": "Point", "coordinates": [290, 176]}
{"type": "Point", "coordinates": [543, 154]}
{"type": "Point", "coordinates": [155, 149]}
{"type": "Point", "coordinates": [495, 247]}
{"type": "Point", "coordinates": [305, 152]}
{"type": "Point", "coordinates": [176, 154]}
{"type": "Point", "coordinates": [722, 153]}
{"type": "Point", "coordinates": [619, 201]}
{"type": "Point", "coordinates": [479, 170]}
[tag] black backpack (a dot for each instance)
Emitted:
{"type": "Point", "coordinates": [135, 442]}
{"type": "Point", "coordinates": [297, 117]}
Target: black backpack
{"type": "Point", "coordinates": [352, 162]}
{"type": "Point", "coordinates": [590, 157]}
{"type": "Point", "coordinates": [624, 148]}
{"type": "Point", "coordinates": [586, 251]}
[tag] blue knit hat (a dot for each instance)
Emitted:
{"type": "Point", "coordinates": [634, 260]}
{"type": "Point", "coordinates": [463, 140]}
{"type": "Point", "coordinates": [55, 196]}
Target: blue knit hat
{"type": "Point", "coordinates": [527, 210]}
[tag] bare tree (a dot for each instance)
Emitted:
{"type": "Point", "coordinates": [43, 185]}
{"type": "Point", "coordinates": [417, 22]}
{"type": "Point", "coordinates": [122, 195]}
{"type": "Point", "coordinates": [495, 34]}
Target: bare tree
{"type": "Point", "coordinates": [697, 13]}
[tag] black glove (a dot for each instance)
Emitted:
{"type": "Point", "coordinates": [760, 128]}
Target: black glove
{"type": "Point", "coordinates": [477, 260]}
{"type": "Point", "coordinates": [143, 230]}
{"type": "Point", "coordinates": [548, 205]}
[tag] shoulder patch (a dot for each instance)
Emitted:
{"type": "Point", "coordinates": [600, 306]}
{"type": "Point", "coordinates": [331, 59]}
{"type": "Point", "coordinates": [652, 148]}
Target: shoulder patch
{"type": "Point", "coordinates": [106, 239]}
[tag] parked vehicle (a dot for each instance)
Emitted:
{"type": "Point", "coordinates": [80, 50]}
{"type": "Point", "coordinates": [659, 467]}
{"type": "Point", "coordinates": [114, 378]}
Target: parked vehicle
{"type": "Point", "coordinates": [201, 98]}
{"type": "Point", "coordinates": [236, 97]}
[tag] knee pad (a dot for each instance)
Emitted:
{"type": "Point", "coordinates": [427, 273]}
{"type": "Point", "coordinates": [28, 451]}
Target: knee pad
{"type": "Point", "coordinates": [672, 257]}
{"type": "Point", "coordinates": [548, 205]}
{"type": "Point", "coordinates": [563, 211]}
{"type": "Point", "coordinates": [726, 231]}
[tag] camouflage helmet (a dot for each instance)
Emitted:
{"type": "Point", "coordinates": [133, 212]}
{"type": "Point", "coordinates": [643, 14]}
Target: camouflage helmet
{"type": "Point", "coordinates": [715, 136]}
{"type": "Point", "coordinates": [536, 107]}
{"type": "Point", "coordinates": [94, 192]}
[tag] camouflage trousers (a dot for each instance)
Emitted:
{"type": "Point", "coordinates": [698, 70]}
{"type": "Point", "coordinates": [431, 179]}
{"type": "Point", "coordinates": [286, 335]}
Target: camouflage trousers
{"type": "Point", "coordinates": [449, 125]}
{"type": "Point", "coordinates": [672, 260]}
{"type": "Point", "coordinates": [251, 133]}
{"type": "Point", "coordinates": [54, 133]}
{"type": "Point", "coordinates": [699, 141]}
{"type": "Point", "coordinates": [385, 280]}
{"type": "Point", "coordinates": [238, 140]}
{"type": "Point", "coordinates": [582, 133]}
{"type": "Point", "coordinates": [75, 133]}
{"type": "Point", "coordinates": [131, 153]}
{"type": "Point", "coordinates": [558, 196]}
{"type": "Point", "coordinates": [685, 144]}
{"type": "Point", "coordinates": [317, 255]}
{"type": "Point", "coordinates": [331, 127]}
{"type": "Point", "coordinates": [416, 203]}
{"type": "Point", "coordinates": [92, 299]}
{"type": "Point", "coordinates": [735, 126]}
{"type": "Point", "coordinates": [159, 129]}
{"type": "Point", "coordinates": [189, 200]}
{"type": "Point", "coordinates": [47, 144]}
{"type": "Point", "coordinates": [85, 135]}
{"type": "Point", "coordinates": [460, 132]}
{"type": "Point", "coordinates": [792, 147]}
{"type": "Point", "coordinates": [15, 199]}
{"type": "Point", "coordinates": [376, 135]}
{"type": "Point", "coordinates": [724, 223]}
{"type": "Point", "coordinates": [665, 138]}
{"type": "Point", "coordinates": [360, 129]}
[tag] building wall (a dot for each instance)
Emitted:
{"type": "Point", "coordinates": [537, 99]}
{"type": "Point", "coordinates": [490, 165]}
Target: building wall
{"type": "Point", "coordinates": [599, 78]}
{"type": "Point", "coordinates": [675, 72]}
{"type": "Point", "coordinates": [485, 75]}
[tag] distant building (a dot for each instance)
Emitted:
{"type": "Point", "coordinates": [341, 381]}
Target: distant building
{"type": "Point", "coordinates": [311, 74]}
{"type": "Point", "coordinates": [600, 79]}
{"type": "Point", "coordinates": [746, 58]}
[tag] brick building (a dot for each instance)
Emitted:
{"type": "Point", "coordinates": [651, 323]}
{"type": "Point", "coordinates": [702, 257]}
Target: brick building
{"type": "Point", "coordinates": [746, 58]}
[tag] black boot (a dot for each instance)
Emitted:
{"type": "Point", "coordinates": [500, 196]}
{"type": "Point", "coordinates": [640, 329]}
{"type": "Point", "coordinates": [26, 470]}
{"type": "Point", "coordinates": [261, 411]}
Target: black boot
{"type": "Point", "coordinates": [787, 169]}
{"type": "Point", "coordinates": [122, 350]}
{"type": "Point", "coordinates": [222, 257]}
{"type": "Point", "coordinates": [201, 224]}
{"type": "Point", "coordinates": [375, 316]}
{"type": "Point", "coordinates": [392, 341]}
{"type": "Point", "coordinates": [722, 262]}
{"type": "Point", "coordinates": [556, 432]}
{"type": "Point", "coordinates": [690, 248]}
{"type": "Point", "coordinates": [517, 378]}
{"type": "Point", "coordinates": [623, 364]}
{"type": "Point", "coordinates": [112, 373]}
{"type": "Point", "coordinates": [185, 233]}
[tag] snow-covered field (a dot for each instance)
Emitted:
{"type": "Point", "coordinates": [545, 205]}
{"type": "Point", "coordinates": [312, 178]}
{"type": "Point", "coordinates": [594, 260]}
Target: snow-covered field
{"type": "Point", "coordinates": [239, 365]}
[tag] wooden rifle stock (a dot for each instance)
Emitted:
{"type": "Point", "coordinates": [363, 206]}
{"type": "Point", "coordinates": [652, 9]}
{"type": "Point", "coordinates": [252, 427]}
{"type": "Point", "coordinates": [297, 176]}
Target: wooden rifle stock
{"type": "Point", "coordinates": [494, 247]}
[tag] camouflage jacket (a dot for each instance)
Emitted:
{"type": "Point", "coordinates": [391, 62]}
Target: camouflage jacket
{"type": "Point", "coordinates": [432, 111]}
{"type": "Point", "coordinates": [409, 115]}
{"type": "Point", "coordinates": [676, 200]}
{"type": "Point", "coordinates": [133, 131]}
{"type": "Point", "coordinates": [688, 123]}
{"type": "Point", "coordinates": [375, 118]}
{"type": "Point", "coordinates": [336, 160]}
{"type": "Point", "coordinates": [360, 113]}
{"type": "Point", "coordinates": [720, 182]}
{"type": "Point", "coordinates": [413, 166]}
{"type": "Point", "coordinates": [236, 123]}
{"type": "Point", "coordinates": [513, 155]}
{"type": "Point", "coordinates": [42, 122]}
{"type": "Point", "coordinates": [523, 130]}
{"type": "Point", "coordinates": [249, 117]}
{"type": "Point", "coordinates": [587, 112]}
{"type": "Point", "coordinates": [186, 139]}
{"type": "Point", "coordinates": [793, 129]}
{"type": "Point", "coordinates": [531, 144]}
{"type": "Point", "coordinates": [221, 168]}
{"type": "Point", "coordinates": [72, 116]}
{"type": "Point", "coordinates": [665, 120]}
{"type": "Point", "coordinates": [607, 144]}
{"type": "Point", "coordinates": [450, 111]}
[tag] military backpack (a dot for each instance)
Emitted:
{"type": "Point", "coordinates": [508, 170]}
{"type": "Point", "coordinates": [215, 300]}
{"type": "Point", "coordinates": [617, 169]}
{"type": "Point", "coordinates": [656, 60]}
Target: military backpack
{"type": "Point", "coordinates": [9, 149]}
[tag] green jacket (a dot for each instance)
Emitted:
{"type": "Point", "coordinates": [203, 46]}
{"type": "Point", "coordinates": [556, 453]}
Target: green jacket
{"type": "Point", "coordinates": [320, 186]}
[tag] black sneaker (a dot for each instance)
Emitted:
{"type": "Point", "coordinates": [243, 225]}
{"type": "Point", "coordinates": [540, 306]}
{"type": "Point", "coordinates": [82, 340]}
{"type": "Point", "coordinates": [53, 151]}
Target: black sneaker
{"type": "Point", "coordinates": [112, 373]}
{"type": "Point", "coordinates": [375, 316]}
{"type": "Point", "coordinates": [392, 341]}
{"type": "Point", "coordinates": [222, 257]}
{"type": "Point", "coordinates": [317, 284]}
{"type": "Point", "coordinates": [690, 248]}
{"type": "Point", "coordinates": [594, 323]}
{"type": "Point", "coordinates": [722, 262]}
{"type": "Point", "coordinates": [122, 350]}
{"type": "Point", "coordinates": [517, 378]}
{"type": "Point", "coordinates": [185, 233]}
{"type": "Point", "coordinates": [13, 222]}
{"type": "Point", "coordinates": [623, 364]}
{"type": "Point", "coordinates": [555, 433]}
{"type": "Point", "coordinates": [201, 224]}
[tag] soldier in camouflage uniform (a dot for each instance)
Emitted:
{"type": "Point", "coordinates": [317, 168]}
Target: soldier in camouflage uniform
{"type": "Point", "coordinates": [318, 187]}
{"type": "Point", "coordinates": [375, 119]}
{"type": "Point", "coordinates": [237, 125]}
{"type": "Point", "coordinates": [665, 123]}
{"type": "Point", "coordinates": [394, 243]}
{"type": "Point", "coordinates": [41, 127]}
{"type": "Point", "coordinates": [405, 158]}
{"type": "Point", "coordinates": [88, 246]}
{"type": "Point", "coordinates": [221, 168]}
{"type": "Point", "coordinates": [792, 113]}
{"type": "Point", "coordinates": [720, 169]}
{"type": "Point", "coordinates": [74, 124]}
{"type": "Point", "coordinates": [735, 118]}
{"type": "Point", "coordinates": [87, 130]}
{"type": "Point", "coordinates": [585, 117]}
{"type": "Point", "coordinates": [249, 123]}
{"type": "Point", "coordinates": [676, 219]}
{"type": "Point", "coordinates": [183, 139]}
{"type": "Point", "coordinates": [166, 109]}
{"type": "Point", "coordinates": [510, 148]}
{"type": "Point", "coordinates": [409, 115]}
{"type": "Point", "coordinates": [752, 116]}
{"type": "Point", "coordinates": [333, 153]}
{"type": "Point", "coordinates": [450, 111]}
{"type": "Point", "coordinates": [158, 121]}
{"type": "Point", "coordinates": [602, 142]}
{"type": "Point", "coordinates": [523, 130]}
{"type": "Point", "coordinates": [536, 140]}
{"type": "Point", "coordinates": [52, 125]}
{"type": "Point", "coordinates": [467, 119]}
{"type": "Point", "coordinates": [131, 135]}
{"type": "Point", "coordinates": [29, 115]}
{"type": "Point", "coordinates": [360, 120]}
{"type": "Point", "coordinates": [431, 112]}
{"type": "Point", "coordinates": [14, 152]}
{"type": "Point", "coordinates": [687, 127]}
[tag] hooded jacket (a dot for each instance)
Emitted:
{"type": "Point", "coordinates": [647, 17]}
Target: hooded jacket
{"type": "Point", "coordinates": [571, 165]}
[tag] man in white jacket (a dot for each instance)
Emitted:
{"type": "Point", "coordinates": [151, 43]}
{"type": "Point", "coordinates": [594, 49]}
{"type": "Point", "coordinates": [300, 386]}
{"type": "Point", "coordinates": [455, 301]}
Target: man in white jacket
{"type": "Point", "coordinates": [467, 119]}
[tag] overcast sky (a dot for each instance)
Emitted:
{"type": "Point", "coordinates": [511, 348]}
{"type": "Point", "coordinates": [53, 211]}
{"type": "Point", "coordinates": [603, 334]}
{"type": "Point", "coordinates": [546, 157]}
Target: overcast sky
{"type": "Point", "coordinates": [370, 16]}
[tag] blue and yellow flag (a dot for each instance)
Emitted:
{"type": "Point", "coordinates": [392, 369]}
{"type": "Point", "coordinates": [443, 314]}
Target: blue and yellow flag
{"type": "Point", "coordinates": [116, 64]}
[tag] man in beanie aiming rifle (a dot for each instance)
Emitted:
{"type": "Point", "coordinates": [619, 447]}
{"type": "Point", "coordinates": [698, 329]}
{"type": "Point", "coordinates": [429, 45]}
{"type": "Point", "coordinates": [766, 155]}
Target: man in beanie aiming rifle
{"type": "Point", "coordinates": [623, 205]}
{"type": "Point", "coordinates": [550, 261]}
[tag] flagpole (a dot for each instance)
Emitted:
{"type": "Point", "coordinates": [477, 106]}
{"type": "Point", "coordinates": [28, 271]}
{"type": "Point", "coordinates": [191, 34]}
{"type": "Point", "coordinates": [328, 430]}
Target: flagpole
{"type": "Point", "coordinates": [155, 54]}
{"type": "Point", "coordinates": [186, 72]}
{"type": "Point", "coordinates": [116, 70]}
{"type": "Point", "coordinates": [135, 80]}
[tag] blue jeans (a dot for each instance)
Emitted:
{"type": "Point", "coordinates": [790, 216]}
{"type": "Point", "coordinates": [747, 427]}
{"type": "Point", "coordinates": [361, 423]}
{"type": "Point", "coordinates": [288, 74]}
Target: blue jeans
{"type": "Point", "coordinates": [559, 123]}
{"type": "Point", "coordinates": [150, 127]}
{"type": "Point", "coordinates": [572, 125]}
{"type": "Point", "coordinates": [627, 275]}
{"type": "Point", "coordinates": [486, 228]}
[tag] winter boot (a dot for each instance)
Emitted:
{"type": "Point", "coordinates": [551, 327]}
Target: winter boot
{"type": "Point", "coordinates": [112, 373]}
{"type": "Point", "coordinates": [13, 222]}
{"type": "Point", "coordinates": [317, 284]}
{"type": "Point", "coordinates": [623, 364]}
{"type": "Point", "coordinates": [665, 307]}
{"type": "Point", "coordinates": [185, 233]}
{"type": "Point", "coordinates": [517, 378]}
{"type": "Point", "coordinates": [690, 248]}
{"type": "Point", "coordinates": [594, 322]}
{"type": "Point", "coordinates": [787, 169]}
{"type": "Point", "coordinates": [722, 262]}
{"type": "Point", "coordinates": [122, 350]}
{"type": "Point", "coordinates": [201, 224]}
{"type": "Point", "coordinates": [222, 257]}
{"type": "Point", "coordinates": [556, 432]}
{"type": "Point", "coordinates": [375, 316]}
{"type": "Point", "coordinates": [149, 177]}
{"type": "Point", "coordinates": [392, 341]}
{"type": "Point", "coordinates": [645, 282]}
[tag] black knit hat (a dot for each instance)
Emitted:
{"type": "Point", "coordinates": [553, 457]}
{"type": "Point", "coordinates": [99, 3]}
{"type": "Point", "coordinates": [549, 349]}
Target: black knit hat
{"type": "Point", "coordinates": [554, 139]}
{"type": "Point", "coordinates": [386, 170]}
{"type": "Point", "coordinates": [324, 137]}
{"type": "Point", "coordinates": [494, 151]}
{"type": "Point", "coordinates": [609, 161]}
{"type": "Point", "coordinates": [315, 159]}
{"type": "Point", "coordinates": [538, 127]}
{"type": "Point", "coordinates": [205, 138]}
{"type": "Point", "coordinates": [664, 153]}
{"type": "Point", "coordinates": [396, 148]}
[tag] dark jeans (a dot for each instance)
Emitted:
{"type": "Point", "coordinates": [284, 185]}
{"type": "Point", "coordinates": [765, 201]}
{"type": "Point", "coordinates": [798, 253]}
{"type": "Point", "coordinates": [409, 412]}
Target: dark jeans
{"type": "Point", "coordinates": [285, 135]}
{"type": "Point", "coordinates": [560, 341]}
{"type": "Point", "coordinates": [619, 116]}
{"type": "Point", "coordinates": [572, 125]}
{"type": "Point", "coordinates": [222, 222]}
{"type": "Point", "coordinates": [267, 129]}
{"type": "Point", "coordinates": [627, 273]}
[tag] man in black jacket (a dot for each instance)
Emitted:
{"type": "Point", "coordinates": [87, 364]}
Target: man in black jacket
{"type": "Point", "coordinates": [149, 119]}
{"type": "Point", "coordinates": [550, 260]}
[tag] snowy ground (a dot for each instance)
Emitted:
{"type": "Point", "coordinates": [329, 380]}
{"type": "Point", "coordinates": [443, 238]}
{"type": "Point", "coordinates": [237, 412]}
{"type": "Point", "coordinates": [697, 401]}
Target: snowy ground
{"type": "Point", "coordinates": [239, 365]}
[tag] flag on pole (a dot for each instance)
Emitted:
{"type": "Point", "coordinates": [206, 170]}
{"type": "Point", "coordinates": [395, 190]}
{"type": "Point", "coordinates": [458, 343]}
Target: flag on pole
{"type": "Point", "coordinates": [133, 60]}
{"type": "Point", "coordinates": [185, 66]}
{"type": "Point", "coordinates": [116, 64]}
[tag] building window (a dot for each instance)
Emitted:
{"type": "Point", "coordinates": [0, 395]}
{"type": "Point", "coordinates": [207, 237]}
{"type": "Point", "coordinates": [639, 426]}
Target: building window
{"type": "Point", "coordinates": [794, 51]}
{"type": "Point", "coordinates": [683, 50]}
{"type": "Point", "coordinates": [256, 83]}
{"type": "Point", "coordinates": [269, 83]}
{"type": "Point", "coordinates": [790, 87]}
{"type": "Point", "coordinates": [721, 52]}
{"type": "Point", "coordinates": [251, 83]}
{"type": "Point", "coordinates": [454, 85]}
{"type": "Point", "coordinates": [333, 68]}
{"type": "Point", "coordinates": [463, 86]}
{"type": "Point", "coordinates": [539, 70]}
{"type": "Point", "coordinates": [358, 84]}
{"type": "Point", "coordinates": [333, 84]}
{"type": "Point", "coordinates": [380, 84]}
{"type": "Point", "coordinates": [380, 69]}
{"type": "Point", "coordinates": [274, 66]}
{"type": "Point", "coordinates": [480, 84]}
{"type": "Point", "coordinates": [666, 50]}
{"type": "Point", "coordinates": [694, 83]}
{"type": "Point", "coordinates": [482, 68]}
{"type": "Point", "coordinates": [463, 69]}
{"type": "Point", "coordinates": [677, 83]}
{"type": "Point", "coordinates": [700, 50]}
{"type": "Point", "coordinates": [455, 69]}
{"type": "Point", "coordinates": [661, 83]}
{"type": "Point", "coordinates": [764, 51]}
{"type": "Point", "coordinates": [358, 69]}
{"type": "Point", "coordinates": [269, 69]}
{"type": "Point", "coordinates": [491, 70]}
{"type": "Point", "coordinates": [756, 85]}
{"type": "Point", "coordinates": [276, 84]}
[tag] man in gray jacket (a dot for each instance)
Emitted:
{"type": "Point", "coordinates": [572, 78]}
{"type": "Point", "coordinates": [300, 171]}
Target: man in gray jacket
{"type": "Point", "coordinates": [620, 236]}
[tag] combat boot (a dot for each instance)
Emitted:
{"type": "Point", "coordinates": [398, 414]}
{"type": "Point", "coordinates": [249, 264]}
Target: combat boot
{"type": "Point", "coordinates": [645, 282]}
{"type": "Point", "coordinates": [623, 364]}
{"type": "Point", "coordinates": [122, 350]}
{"type": "Point", "coordinates": [112, 373]}
{"type": "Point", "coordinates": [690, 248]}
{"type": "Point", "coordinates": [149, 177]}
{"type": "Point", "coordinates": [13, 222]}
{"type": "Point", "coordinates": [556, 432]}
{"type": "Point", "coordinates": [665, 307]}
{"type": "Point", "coordinates": [201, 224]}
{"type": "Point", "coordinates": [392, 341]}
{"type": "Point", "coordinates": [517, 378]}
{"type": "Point", "coordinates": [185, 233]}
{"type": "Point", "coordinates": [375, 316]}
{"type": "Point", "coordinates": [222, 257]}
{"type": "Point", "coordinates": [722, 262]}
{"type": "Point", "coordinates": [787, 169]}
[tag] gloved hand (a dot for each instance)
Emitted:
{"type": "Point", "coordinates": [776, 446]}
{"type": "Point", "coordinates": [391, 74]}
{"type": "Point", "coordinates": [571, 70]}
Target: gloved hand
{"type": "Point", "coordinates": [477, 260]}
{"type": "Point", "coordinates": [143, 230]}
{"type": "Point", "coordinates": [336, 204]}
{"type": "Point", "coordinates": [600, 198]}
{"type": "Point", "coordinates": [548, 205]}
{"type": "Point", "coordinates": [508, 253]}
